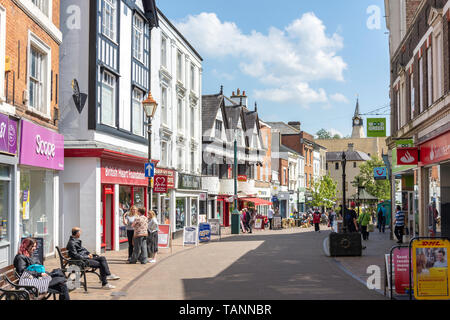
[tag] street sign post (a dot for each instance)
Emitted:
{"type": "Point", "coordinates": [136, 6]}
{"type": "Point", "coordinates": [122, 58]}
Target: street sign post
{"type": "Point", "coordinates": [149, 170]}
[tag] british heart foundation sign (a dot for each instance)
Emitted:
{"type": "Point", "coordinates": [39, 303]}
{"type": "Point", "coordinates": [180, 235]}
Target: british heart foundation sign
{"type": "Point", "coordinates": [160, 184]}
{"type": "Point", "coordinates": [407, 156]}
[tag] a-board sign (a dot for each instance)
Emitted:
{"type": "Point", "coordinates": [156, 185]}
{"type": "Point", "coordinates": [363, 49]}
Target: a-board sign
{"type": "Point", "coordinates": [277, 223]}
{"type": "Point", "coordinates": [430, 269]}
{"type": "Point", "coordinates": [190, 236]}
{"type": "Point", "coordinates": [400, 262]}
{"type": "Point", "coordinates": [204, 232]}
{"type": "Point", "coordinates": [164, 236]}
{"type": "Point", "coordinates": [38, 254]}
{"type": "Point", "coordinates": [215, 226]}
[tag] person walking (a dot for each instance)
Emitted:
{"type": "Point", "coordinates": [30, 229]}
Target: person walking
{"type": "Point", "coordinates": [316, 219]}
{"type": "Point", "coordinates": [399, 224]}
{"type": "Point", "coordinates": [363, 221]}
{"type": "Point", "coordinates": [140, 226]}
{"type": "Point", "coordinates": [381, 219]}
{"type": "Point", "coordinates": [242, 219]}
{"type": "Point", "coordinates": [152, 239]}
{"type": "Point", "coordinates": [270, 216]}
{"type": "Point", "coordinates": [331, 217]}
{"type": "Point", "coordinates": [248, 219]}
{"type": "Point", "coordinates": [350, 219]}
{"type": "Point", "coordinates": [128, 219]}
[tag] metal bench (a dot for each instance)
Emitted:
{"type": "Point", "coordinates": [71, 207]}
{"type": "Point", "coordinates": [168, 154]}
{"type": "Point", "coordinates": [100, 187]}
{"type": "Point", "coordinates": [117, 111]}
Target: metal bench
{"type": "Point", "coordinates": [66, 262]}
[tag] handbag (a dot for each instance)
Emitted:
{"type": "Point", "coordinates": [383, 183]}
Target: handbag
{"type": "Point", "coordinates": [41, 283]}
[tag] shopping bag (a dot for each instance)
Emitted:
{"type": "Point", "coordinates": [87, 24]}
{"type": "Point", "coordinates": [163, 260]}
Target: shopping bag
{"type": "Point", "coordinates": [41, 283]}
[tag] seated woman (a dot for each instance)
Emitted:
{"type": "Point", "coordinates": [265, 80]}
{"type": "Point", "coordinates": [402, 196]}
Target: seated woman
{"type": "Point", "coordinates": [24, 259]}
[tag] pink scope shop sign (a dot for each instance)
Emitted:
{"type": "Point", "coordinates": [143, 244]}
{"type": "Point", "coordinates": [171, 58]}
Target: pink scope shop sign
{"type": "Point", "coordinates": [40, 147]}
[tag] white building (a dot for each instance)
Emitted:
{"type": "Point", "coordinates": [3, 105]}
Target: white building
{"type": "Point", "coordinates": [301, 183]}
{"type": "Point", "coordinates": [176, 84]}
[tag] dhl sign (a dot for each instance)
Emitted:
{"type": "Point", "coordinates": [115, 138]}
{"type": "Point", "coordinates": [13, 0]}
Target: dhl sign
{"type": "Point", "coordinates": [430, 243]}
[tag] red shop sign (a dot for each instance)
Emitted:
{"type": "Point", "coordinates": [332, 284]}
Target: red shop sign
{"type": "Point", "coordinates": [407, 156]}
{"type": "Point", "coordinates": [435, 150]}
{"type": "Point", "coordinates": [160, 184]}
{"type": "Point", "coordinates": [115, 172]}
{"type": "Point", "coordinates": [170, 174]}
{"type": "Point", "coordinates": [242, 178]}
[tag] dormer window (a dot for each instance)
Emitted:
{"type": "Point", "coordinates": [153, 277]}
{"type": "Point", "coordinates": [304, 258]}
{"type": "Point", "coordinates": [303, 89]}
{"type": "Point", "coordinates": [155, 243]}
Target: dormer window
{"type": "Point", "coordinates": [218, 129]}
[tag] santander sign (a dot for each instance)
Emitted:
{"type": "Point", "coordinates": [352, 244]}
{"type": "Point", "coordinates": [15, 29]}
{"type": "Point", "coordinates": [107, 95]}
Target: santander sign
{"type": "Point", "coordinates": [45, 148]}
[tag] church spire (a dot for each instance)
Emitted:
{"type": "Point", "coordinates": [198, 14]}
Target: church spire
{"type": "Point", "coordinates": [357, 107]}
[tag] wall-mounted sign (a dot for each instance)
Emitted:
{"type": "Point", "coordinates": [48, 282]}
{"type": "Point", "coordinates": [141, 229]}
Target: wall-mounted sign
{"type": "Point", "coordinates": [186, 181]}
{"type": "Point", "coordinates": [160, 184]}
{"type": "Point", "coordinates": [242, 178]}
{"type": "Point", "coordinates": [380, 173]}
{"type": "Point", "coordinates": [170, 174]}
{"type": "Point", "coordinates": [8, 134]}
{"type": "Point", "coordinates": [435, 150]}
{"type": "Point", "coordinates": [407, 156]}
{"type": "Point", "coordinates": [118, 172]}
{"type": "Point", "coordinates": [376, 127]}
{"type": "Point", "coordinates": [78, 98]}
{"type": "Point", "coordinates": [41, 147]}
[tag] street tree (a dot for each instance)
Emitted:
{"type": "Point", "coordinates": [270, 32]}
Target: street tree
{"type": "Point", "coordinates": [324, 192]}
{"type": "Point", "coordinates": [323, 134]}
{"type": "Point", "coordinates": [378, 188]}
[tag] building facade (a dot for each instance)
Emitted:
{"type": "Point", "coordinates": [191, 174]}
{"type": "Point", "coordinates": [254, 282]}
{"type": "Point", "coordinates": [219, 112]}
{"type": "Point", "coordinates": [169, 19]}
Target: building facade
{"type": "Point", "coordinates": [31, 149]}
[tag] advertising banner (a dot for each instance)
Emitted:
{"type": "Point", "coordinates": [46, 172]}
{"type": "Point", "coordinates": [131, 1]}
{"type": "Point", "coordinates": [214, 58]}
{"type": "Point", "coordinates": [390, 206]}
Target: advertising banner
{"type": "Point", "coordinates": [118, 172]}
{"type": "Point", "coordinates": [376, 127]}
{"type": "Point", "coordinates": [164, 236]}
{"type": "Point", "coordinates": [8, 134]}
{"type": "Point", "coordinates": [204, 232]}
{"type": "Point", "coordinates": [190, 236]}
{"type": "Point", "coordinates": [400, 262]}
{"type": "Point", "coordinates": [259, 222]}
{"type": "Point", "coordinates": [435, 150]}
{"type": "Point", "coordinates": [430, 269]}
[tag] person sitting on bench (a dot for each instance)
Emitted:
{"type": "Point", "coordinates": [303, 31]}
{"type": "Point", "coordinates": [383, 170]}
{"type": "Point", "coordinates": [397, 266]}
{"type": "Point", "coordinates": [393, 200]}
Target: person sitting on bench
{"type": "Point", "coordinates": [77, 252]}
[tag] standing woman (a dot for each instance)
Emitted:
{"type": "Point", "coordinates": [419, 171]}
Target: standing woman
{"type": "Point", "coordinates": [128, 219]}
{"type": "Point", "coordinates": [152, 239]}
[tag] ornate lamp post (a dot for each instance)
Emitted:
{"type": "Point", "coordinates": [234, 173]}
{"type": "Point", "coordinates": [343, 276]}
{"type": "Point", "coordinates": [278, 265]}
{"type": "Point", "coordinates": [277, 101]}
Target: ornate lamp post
{"type": "Point", "coordinates": [150, 107]}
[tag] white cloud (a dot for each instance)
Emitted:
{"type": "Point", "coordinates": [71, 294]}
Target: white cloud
{"type": "Point", "coordinates": [284, 61]}
{"type": "Point", "coordinates": [334, 131]}
{"type": "Point", "coordinates": [339, 97]}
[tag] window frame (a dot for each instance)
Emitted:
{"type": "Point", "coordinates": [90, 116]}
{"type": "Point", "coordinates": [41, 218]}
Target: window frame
{"type": "Point", "coordinates": [46, 10]}
{"type": "Point", "coordinates": [111, 34]}
{"type": "Point", "coordinates": [136, 32]}
{"type": "Point", "coordinates": [164, 105]}
{"type": "Point", "coordinates": [420, 85]}
{"type": "Point", "coordinates": [216, 130]}
{"type": "Point", "coordinates": [163, 51]}
{"type": "Point", "coordinates": [412, 93]}
{"type": "Point", "coordinates": [193, 87]}
{"type": "Point", "coordinates": [114, 98]}
{"type": "Point", "coordinates": [2, 51]}
{"type": "Point", "coordinates": [430, 76]}
{"type": "Point", "coordinates": [45, 50]}
{"type": "Point", "coordinates": [179, 66]}
{"type": "Point", "coordinates": [141, 111]}
{"type": "Point", "coordinates": [180, 122]}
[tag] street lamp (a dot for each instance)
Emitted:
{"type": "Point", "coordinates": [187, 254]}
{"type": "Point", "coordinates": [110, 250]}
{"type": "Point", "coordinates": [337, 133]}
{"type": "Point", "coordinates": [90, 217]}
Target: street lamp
{"type": "Point", "coordinates": [344, 204]}
{"type": "Point", "coordinates": [150, 107]}
{"type": "Point", "coordinates": [235, 218]}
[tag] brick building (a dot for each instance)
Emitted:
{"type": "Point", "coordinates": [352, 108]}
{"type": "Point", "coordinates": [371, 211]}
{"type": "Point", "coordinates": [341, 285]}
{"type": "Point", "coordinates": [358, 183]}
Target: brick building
{"type": "Point", "coordinates": [420, 112]}
{"type": "Point", "coordinates": [31, 151]}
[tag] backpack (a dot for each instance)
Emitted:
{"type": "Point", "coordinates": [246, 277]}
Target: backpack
{"type": "Point", "coordinates": [348, 217]}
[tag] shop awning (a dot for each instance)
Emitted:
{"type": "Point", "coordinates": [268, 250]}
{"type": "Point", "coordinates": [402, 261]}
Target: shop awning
{"type": "Point", "coordinates": [257, 201]}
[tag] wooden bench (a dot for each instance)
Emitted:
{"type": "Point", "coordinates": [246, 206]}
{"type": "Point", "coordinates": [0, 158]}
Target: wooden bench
{"type": "Point", "coordinates": [66, 262]}
{"type": "Point", "coordinates": [11, 290]}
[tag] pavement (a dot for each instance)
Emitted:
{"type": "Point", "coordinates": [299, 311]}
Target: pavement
{"type": "Point", "coordinates": [267, 264]}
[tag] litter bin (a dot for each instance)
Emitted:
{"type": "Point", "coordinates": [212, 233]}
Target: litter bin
{"type": "Point", "coordinates": [235, 223]}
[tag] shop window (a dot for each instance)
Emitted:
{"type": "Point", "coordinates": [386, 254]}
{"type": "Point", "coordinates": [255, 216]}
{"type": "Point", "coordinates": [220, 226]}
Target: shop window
{"type": "Point", "coordinates": [36, 206]}
{"type": "Point", "coordinates": [124, 207]}
{"type": "Point", "coordinates": [4, 207]}
{"type": "Point", "coordinates": [165, 209]}
{"type": "Point", "coordinates": [180, 219]}
{"type": "Point", "coordinates": [194, 212]}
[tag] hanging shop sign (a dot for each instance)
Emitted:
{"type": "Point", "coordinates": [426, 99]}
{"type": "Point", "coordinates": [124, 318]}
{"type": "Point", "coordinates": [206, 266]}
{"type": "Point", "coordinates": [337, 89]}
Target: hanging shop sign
{"type": "Point", "coordinates": [407, 156]}
{"type": "Point", "coordinates": [187, 181]}
{"type": "Point", "coordinates": [160, 184]}
{"type": "Point", "coordinates": [40, 147]}
{"type": "Point", "coordinates": [404, 143]}
{"type": "Point", "coordinates": [170, 174]}
{"type": "Point", "coordinates": [376, 127]}
{"type": "Point", "coordinates": [435, 150]}
{"type": "Point", "coordinates": [380, 173]}
{"type": "Point", "coordinates": [118, 172]}
{"type": "Point", "coordinates": [8, 134]}
{"type": "Point", "coordinates": [430, 269]}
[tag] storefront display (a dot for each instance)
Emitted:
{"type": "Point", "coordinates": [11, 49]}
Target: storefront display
{"type": "Point", "coordinates": [180, 218]}
{"type": "Point", "coordinates": [4, 209]}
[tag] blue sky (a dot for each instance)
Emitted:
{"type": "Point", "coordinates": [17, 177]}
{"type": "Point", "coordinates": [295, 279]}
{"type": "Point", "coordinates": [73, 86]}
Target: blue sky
{"type": "Point", "coordinates": [300, 60]}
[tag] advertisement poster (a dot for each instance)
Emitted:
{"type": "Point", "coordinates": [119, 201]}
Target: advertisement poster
{"type": "Point", "coordinates": [26, 205]}
{"type": "Point", "coordinates": [204, 232]}
{"type": "Point", "coordinates": [164, 236]}
{"type": "Point", "coordinates": [259, 223]}
{"type": "Point", "coordinates": [400, 262]}
{"type": "Point", "coordinates": [215, 226]}
{"type": "Point", "coordinates": [190, 236]}
{"type": "Point", "coordinates": [430, 268]}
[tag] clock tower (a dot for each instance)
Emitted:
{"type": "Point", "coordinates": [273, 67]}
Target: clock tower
{"type": "Point", "coordinates": [357, 124]}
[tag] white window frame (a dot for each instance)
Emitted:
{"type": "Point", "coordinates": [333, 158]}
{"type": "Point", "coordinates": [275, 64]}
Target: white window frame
{"type": "Point", "coordinates": [2, 52]}
{"type": "Point", "coordinates": [138, 38]}
{"type": "Point", "coordinates": [164, 105]}
{"type": "Point", "coordinates": [164, 51]}
{"type": "Point", "coordinates": [109, 28]}
{"type": "Point", "coordinates": [192, 161]}
{"type": "Point", "coordinates": [192, 79]}
{"type": "Point", "coordinates": [45, 6]}
{"type": "Point", "coordinates": [112, 83]}
{"type": "Point", "coordinates": [420, 85]}
{"type": "Point", "coordinates": [192, 124]}
{"type": "Point", "coordinates": [164, 153]}
{"type": "Point", "coordinates": [437, 62]}
{"type": "Point", "coordinates": [412, 91]}
{"type": "Point", "coordinates": [180, 123]}
{"type": "Point", "coordinates": [179, 66]}
{"type": "Point", "coordinates": [430, 76]}
{"type": "Point", "coordinates": [180, 158]}
{"type": "Point", "coordinates": [45, 50]}
{"type": "Point", "coordinates": [137, 98]}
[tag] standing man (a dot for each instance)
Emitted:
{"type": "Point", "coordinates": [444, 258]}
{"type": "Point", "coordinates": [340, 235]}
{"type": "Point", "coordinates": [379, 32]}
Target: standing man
{"type": "Point", "coordinates": [270, 216]}
{"type": "Point", "coordinates": [399, 224]}
{"type": "Point", "coordinates": [350, 219]}
{"type": "Point", "coordinates": [316, 219]}
{"type": "Point", "coordinates": [248, 219]}
{"type": "Point", "coordinates": [77, 252]}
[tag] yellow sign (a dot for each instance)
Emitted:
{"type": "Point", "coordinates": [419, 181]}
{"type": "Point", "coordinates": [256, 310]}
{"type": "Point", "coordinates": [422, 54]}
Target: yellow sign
{"type": "Point", "coordinates": [430, 269]}
{"type": "Point", "coordinates": [7, 63]}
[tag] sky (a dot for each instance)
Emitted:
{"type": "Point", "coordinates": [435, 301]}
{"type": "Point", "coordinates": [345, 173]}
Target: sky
{"type": "Point", "coordinates": [298, 60]}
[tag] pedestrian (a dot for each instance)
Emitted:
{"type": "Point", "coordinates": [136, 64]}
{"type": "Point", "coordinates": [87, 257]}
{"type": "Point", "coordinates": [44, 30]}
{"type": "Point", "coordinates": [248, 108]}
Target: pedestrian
{"type": "Point", "coordinates": [381, 218]}
{"type": "Point", "coordinates": [242, 218]}
{"type": "Point", "coordinates": [128, 219]}
{"type": "Point", "coordinates": [350, 219]}
{"type": "Point", "coordinates": [270, 216]}
{"type": "Point", "coordinates": [248, 219]}
{"type": "Point", "coordinates": [78, 252]}
{"type": "Point", "coordinates": [399, 224]}
{"type": "Point", "coordinates": [152, 239]}
{"type": "Point", "coordinates": [316, 219]}
{"type": "Point", "coordinates": [363, 221]}
{"type": "Point", "coordinates": [140, 226]}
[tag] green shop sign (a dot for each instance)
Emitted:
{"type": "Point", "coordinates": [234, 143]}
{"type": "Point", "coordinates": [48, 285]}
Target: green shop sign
{"type": "Point", "coordinates": [376, 127]}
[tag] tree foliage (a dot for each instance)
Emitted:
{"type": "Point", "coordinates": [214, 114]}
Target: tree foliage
{"type": "Point", "coordinates": [324, 134]}
{"type": "Point", "coordinates": [324, 192]}
{"type": "Point", "coordinates": [378, 188]}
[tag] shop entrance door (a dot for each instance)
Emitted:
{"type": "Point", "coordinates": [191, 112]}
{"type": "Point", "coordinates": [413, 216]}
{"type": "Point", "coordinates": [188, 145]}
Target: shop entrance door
{"type": "Point", "coordinates": [409, 210]}
{"type": "Point", "coordinates": [107, 222]}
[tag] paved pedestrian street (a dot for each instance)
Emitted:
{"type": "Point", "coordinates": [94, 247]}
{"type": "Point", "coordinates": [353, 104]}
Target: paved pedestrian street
{"type": "Point", "coordinates": [266, 265]}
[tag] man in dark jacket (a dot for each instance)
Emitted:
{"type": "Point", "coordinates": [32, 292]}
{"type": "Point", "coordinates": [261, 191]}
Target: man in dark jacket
{"type": "Point", "coordinates": [248, 219]}
{"type": "Point", "coordinates": [78, 252]}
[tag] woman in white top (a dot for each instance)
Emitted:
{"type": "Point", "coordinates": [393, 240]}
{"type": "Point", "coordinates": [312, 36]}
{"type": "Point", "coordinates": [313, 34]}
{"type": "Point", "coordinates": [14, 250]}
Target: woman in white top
{"type": "Point", "coordinates": [128, 219]}
{"type": "Point", "coordinates": [152, 239]}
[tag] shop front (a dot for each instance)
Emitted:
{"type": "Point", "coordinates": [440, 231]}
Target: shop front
{"type": "Point", "coordinates": [435, 195]}
{"type": "Point", "coordinates": [283, 200]}
{"type": "Point", "coordinates": [223, 212]}
{"type": "Point", "coordinates": [162, 202]}
{"type": "Point", "coordinates": [40, 163]}
{"type": "Point", "coordinates": [8, 173]}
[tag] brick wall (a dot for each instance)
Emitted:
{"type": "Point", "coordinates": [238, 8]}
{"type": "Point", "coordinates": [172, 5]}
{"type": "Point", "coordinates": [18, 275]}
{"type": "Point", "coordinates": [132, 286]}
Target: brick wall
{"type": "Point", "coordinates": [18, 24]}
{"type": "Point", "coordinates": [411, 8]}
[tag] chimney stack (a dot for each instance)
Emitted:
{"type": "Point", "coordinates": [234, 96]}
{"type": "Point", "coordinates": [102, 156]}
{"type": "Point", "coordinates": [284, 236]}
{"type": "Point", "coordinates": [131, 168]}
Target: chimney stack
{"type": "Point", "coordinates": [350, 147]}
{"type": "Point", "coordinates": [295, 124]}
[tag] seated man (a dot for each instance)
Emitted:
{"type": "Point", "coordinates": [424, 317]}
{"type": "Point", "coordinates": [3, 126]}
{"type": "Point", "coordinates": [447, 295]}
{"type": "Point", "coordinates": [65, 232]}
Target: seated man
{"type": "Point", "coordinates": [77, 252]}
